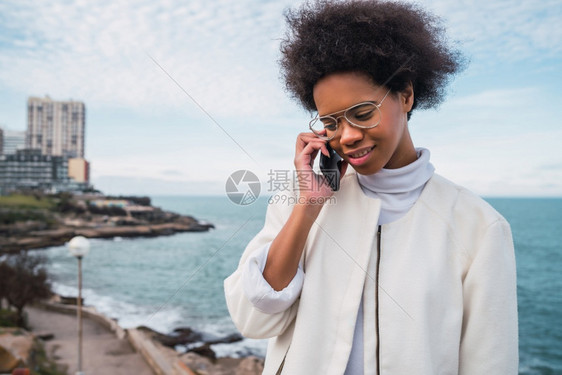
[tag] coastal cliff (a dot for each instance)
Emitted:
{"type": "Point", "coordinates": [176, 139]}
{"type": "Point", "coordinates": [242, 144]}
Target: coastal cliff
{"type": "Point", "coordinates": [38, 221]}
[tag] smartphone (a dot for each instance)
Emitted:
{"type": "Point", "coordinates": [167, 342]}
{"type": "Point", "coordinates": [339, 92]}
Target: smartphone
{"type": "Point", "coordinates": [331, 167]}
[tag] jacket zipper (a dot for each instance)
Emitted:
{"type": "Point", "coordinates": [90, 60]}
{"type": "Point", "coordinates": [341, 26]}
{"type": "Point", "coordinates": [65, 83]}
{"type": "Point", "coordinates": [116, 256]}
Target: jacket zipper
{"type": "Point", "coordinates": [377, 300]}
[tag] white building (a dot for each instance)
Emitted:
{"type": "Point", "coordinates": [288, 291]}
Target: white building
{"type": "Point", "coordinates": [12, 141]}
{"type": "Point", "coordinates": [56, 127]}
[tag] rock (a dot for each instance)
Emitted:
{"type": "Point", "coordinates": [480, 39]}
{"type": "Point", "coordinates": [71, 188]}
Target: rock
{"type": "Point", "coordinates": [223, 366]}
{"type": "Point", "coordinates": [63, 233]}
{"type": "Point", "coordinates": [198, 363]}
{"type": "Point", "coordinates": [8, 361]}
{"type": "Point", "coordinates": [250, 366]}
{"type": "Point", "coordinates": [205, 351]}
{"type": "Point", "coordinates": [229, 339]}
{"type": "Point", "coordinates": [187, 336]}
{"type": "Point", "coordinates": [45, 228]}
{"type": "Point", "coordinates": [15, 348]}
{"type": "Point", "coordinates": [70, 300]}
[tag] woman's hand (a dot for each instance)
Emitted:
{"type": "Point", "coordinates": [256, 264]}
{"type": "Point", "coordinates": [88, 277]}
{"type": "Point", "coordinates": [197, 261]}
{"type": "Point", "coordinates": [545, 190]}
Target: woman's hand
{"type": "Point", "coordinates": [286, 249]}
{"type": "Point", "coordinates": [313, 187]}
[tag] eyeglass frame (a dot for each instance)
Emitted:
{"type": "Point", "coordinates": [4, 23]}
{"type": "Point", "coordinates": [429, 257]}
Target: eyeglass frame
{"type": "Point", "coordinates": [336, 119]}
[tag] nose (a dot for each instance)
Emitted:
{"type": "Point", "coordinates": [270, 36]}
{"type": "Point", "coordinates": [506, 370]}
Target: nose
{"type": "Point", "coordinates": [349, 134]}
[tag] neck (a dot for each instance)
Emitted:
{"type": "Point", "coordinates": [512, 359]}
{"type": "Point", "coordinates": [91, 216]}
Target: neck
{"type": "Point", "coordinates": [405, 152]}
{"type": "Point", "coordinates": [398, 189]}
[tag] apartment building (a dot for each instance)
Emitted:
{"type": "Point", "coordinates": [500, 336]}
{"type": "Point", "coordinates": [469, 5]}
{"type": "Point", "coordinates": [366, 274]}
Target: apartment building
{"type": "Point", "coordinates": [57, 128]}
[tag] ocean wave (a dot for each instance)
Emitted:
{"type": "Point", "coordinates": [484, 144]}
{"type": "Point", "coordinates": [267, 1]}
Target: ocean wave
{"type": "Point", "coordinates": [129, 315]}
{"type": "Point", "coordinates": [241, 349]}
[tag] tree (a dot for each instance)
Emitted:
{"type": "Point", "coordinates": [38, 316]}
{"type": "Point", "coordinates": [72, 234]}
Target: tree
{"type": "Point", "coordinates": [24, 280]}
{"type": "Point", "coordinates": [5, 276]}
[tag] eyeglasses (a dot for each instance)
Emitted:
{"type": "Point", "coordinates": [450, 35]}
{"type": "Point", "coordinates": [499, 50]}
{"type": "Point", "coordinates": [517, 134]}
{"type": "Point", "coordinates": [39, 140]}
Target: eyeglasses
{"type": "Point", "coordinates": [365, 115]}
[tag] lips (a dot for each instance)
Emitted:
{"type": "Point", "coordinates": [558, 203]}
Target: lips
{"type": "Point", "coordinates": [359, 156]}
{"type": "Point", "coordinates": [359, 153]}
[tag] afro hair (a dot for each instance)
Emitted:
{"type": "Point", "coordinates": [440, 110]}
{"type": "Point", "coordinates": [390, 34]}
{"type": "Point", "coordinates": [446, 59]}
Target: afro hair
{"type": "Point", "coordinates": [393, 43]}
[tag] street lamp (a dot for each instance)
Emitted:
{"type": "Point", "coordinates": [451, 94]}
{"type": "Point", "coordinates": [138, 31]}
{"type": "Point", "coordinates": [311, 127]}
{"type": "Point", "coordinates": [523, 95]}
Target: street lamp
{"type": "Point", "coordinates": [79, 246]}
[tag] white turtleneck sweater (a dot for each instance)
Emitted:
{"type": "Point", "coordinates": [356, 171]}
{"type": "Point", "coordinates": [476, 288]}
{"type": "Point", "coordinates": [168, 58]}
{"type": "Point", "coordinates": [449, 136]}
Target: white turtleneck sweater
{"type": "Point", "coordinates": [398, 190]}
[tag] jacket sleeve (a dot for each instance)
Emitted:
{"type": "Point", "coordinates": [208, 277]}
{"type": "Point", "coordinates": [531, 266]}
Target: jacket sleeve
{"type": "Point", "coordinates": [489, 340]}
{"type": "Point", "coordinates": [258, 290]}
{"type": "Point", "coordinates": [250, 321]}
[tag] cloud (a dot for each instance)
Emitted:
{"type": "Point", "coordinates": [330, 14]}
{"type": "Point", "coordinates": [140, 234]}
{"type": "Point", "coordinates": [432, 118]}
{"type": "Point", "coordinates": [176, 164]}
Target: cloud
{"type": "Point", "coordinates": [221, 52]}
{"type": "Point", "coordinates": [495, 141]}
{"type": "Point", "coordinates": [496, 98]}
{"type": "Point", "coordinates": [490, 115]}
{"type": "Point", "coordinates": [503, 30]}
{"type": "Point", "coordinates": [556, 166]}
{"type": "Point", "coordinates": [171, 172]}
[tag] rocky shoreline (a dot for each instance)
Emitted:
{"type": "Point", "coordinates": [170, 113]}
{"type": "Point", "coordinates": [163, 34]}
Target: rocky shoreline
{"type": "Point", "coordinates": [23, 228]}
{"type": "Point", "coordinates": [56, 237]}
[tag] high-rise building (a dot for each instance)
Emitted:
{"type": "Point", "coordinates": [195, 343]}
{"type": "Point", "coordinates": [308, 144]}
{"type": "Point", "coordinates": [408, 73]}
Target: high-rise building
{"type": "Point", "coordinates": [12, 141]}
{"type": "Point", "coordinates": [56, 127]}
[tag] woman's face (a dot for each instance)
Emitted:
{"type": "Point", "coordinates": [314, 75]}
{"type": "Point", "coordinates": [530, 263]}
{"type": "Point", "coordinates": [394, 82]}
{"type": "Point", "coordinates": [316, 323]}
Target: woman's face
{"type": "Point", "coordinates": [388, 145]}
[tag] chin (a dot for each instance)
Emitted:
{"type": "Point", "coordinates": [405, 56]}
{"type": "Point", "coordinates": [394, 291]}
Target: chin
{"type": "Point", "coordinates": [366, 169]}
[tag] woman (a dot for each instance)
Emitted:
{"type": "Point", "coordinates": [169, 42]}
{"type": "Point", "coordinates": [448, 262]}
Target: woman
{"type": "Point", "coordinates": [400, 271]}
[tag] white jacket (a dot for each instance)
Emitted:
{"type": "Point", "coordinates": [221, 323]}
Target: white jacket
{"type": "Point", "coordinates": [445, 301]}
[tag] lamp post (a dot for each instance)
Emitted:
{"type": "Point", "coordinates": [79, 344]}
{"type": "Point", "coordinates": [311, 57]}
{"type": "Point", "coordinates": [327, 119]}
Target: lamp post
{"type": "Point", "coordinates": [79, 246]}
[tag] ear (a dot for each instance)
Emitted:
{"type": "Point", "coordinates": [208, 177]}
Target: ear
{"type": "Point", "coordinates": [407, 97]}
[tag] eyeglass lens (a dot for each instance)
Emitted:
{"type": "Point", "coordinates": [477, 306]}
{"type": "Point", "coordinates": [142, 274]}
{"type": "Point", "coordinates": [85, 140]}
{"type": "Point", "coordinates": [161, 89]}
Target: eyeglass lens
{"type": "Point", "coordinates": [364, 115]}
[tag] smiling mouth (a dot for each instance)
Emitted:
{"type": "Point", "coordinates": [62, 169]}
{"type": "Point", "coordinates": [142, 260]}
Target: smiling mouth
{"type": "Point", "coordinates": [361, 153]}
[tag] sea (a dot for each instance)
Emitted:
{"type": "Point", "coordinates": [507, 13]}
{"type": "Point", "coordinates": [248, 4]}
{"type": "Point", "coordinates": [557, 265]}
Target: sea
{"type": "Point", "coordinates": [177, 281]}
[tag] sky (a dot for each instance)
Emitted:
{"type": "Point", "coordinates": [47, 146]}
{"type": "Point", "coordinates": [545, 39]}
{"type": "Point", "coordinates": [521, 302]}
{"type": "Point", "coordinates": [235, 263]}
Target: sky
{"type": "Point", "coordinates": [181, 94]}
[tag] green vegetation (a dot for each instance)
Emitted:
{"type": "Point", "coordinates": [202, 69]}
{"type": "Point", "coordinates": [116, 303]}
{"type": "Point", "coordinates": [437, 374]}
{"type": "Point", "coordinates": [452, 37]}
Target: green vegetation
{"type": "Point", "coordinates": [8, 318]}
{"type": "Point", "coordinates": [36, 207]}
{"type": "Point", "coordinates": [11, 216]}
{"type": "Point", "coordinates": [38, 361]}
{"type": "Point", "coordinates": [24, 280]}
{"type": "Point", "coordinates": [65, 203]}
{"type": "Point", "coordinates": [27, 201]}
{"type": "Point", "coordinates": [41, 364]}
{"type": "Point", "coordinates": [26, 207]}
